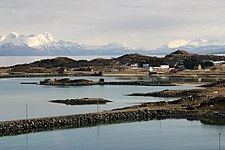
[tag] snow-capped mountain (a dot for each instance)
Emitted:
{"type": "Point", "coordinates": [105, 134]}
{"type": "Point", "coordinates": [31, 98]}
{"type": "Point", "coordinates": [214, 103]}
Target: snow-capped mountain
{"type": "Point", "coordinates": [197, 46]}
{"type": "Point", "coordinates": [46, 44]}
{"type": "Point", "coordinates": [14, 44]}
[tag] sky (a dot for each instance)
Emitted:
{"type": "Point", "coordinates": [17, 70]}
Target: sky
{"type": "Point", "coordinates": [137, 23]}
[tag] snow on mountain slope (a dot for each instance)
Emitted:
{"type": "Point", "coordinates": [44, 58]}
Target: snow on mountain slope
{"type": "Point", "coordinates": [40, 41]}
{"type": "Point", "coordinates": [178, 43]}
{"type": "Point", "coordinates": [197, 46]}
{"type": "Point", "coordinates": [194, 43]}
{"type": "Point", "coordinates": [46, 44]}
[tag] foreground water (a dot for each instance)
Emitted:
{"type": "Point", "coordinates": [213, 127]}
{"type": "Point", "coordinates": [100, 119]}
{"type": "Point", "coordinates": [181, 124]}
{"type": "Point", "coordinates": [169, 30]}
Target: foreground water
{"type": "Point", "coordinates": [156, 135]}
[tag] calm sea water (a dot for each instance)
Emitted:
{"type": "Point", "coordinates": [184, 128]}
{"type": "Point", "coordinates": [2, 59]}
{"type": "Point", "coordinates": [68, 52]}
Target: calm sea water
{"type": "Point", "coordinates": [15, 96]}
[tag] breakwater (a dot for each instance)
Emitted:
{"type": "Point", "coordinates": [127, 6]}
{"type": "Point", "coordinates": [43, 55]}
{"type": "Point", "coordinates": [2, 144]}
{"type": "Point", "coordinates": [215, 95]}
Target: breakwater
{"type": "Point", "coordinates": [92, 119]}
{"type": "Point", "coordinates": [143, 83]}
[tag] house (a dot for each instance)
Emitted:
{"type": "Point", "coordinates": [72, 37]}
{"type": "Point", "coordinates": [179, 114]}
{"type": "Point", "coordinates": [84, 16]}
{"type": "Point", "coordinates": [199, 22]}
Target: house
{"type": "Point", "coordinates": [83, 69]}
{"type": "Point", "coordinates": [61, 71]}
{"type": "Point", "coordinates": [151, 71]}
{"type": "Point", "coordinates": [164, 66]}
{"type": "Point", "coordinates": [198, 67]}
{"type": "Point", "coordinates": [180, 67]}
{"type": "Point", "coordinates": [217, 63]}
{"type": "Point", "coordinates": [145, 65]}
{"type": "Point", "coordinates": [134, 66]}
{"type": "Point", "coordinates": [110, 70]}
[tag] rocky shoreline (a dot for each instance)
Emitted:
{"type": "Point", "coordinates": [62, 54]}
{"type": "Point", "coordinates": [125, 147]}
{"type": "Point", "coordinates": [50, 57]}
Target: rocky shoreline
{"type": "Point", "coordinates": [92, 119]}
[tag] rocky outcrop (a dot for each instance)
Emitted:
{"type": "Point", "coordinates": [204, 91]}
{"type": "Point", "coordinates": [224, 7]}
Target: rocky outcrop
{"type": "Point", "coordinates": [79, 82]}
{"type": "Point", "coordinates": [172, 93]}
{"type": "Point", "coordinates": [82, 101]}
{"type": "Point", "coordinates": [220, 83]}
{"type": "Point", "coordinates": [67, 82]}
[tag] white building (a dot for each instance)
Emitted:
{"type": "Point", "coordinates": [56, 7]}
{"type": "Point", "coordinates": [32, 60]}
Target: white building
{"type": "Point", "coordinates": [164, 66]}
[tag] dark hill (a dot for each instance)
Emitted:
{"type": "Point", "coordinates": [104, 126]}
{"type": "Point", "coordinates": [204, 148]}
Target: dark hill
{"type": "Point", "coordinates": [179, 53]}
{"type": "Point", "coordinates": [139, 59]}
{"type": "Point", "coordinates": [56, 62]}
{"type": "Point", "coordinates": [181, 57]}
{"type": "Point", "coordinates": [178, 57]}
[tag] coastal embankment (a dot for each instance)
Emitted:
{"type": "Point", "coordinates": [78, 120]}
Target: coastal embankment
{"type": "Point", "coordinates": [93, 119]}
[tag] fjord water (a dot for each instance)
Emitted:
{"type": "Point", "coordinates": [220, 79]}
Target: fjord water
{"type": "Point", "coordinates": [154, 134]}
{"type": "Point", "coordinates": [15, 97]}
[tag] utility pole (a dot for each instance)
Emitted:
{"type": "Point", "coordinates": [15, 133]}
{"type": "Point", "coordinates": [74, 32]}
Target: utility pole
{"type": "Point", "coordinates": [26, 110]}
{"type": "Point", "coordinates": [98, 107]}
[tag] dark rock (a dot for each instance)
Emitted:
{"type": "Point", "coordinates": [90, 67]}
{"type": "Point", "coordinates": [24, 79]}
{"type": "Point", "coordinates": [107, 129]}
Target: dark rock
{"type": "Point", "coordinates": [190, 108]}
{"type": "Point", "coordinates": [82, 101]}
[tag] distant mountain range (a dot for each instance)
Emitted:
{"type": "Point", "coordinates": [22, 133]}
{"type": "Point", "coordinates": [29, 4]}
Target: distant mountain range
{"type": "Point", "coordinates": [45, 44]}
{"type": "Point", "coordinates": [197, 46]}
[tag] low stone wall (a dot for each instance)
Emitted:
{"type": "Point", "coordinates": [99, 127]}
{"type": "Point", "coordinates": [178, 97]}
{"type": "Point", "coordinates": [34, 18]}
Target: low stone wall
{"type": "Point", "coordinates": [143, 83]}
{"type": "Point", "coordinates": [93, 119]}
{"type": "Point", "coordinates": [138, 83]}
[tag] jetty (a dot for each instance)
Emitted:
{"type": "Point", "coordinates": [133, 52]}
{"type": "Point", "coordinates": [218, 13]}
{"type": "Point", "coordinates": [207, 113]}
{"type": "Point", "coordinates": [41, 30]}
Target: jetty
{"type": "Point", "coordinates": [29, 83]}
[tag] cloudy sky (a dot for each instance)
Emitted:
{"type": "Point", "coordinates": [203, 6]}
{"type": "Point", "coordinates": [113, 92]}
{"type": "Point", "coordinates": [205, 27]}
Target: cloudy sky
{"type": "Point", "coordinates": [138, 23]}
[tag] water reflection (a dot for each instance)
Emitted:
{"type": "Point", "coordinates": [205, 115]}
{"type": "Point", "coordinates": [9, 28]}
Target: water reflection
{"type": "Point", "coordinates": [219, 141]}
{"type": "Point", "coordinates": [27, 140]}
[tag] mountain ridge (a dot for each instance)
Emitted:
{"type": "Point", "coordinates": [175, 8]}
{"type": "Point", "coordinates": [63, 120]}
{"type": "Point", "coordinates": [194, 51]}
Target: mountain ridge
{"type": "Point", "coordinates": [44, 44]}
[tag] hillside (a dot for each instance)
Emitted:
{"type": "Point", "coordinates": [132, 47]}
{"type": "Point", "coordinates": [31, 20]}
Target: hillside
{"type": "Point", "coordinates": [179, 57]}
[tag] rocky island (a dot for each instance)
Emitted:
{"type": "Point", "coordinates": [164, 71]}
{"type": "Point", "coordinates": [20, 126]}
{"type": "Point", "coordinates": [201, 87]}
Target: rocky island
{"type": "Point", "coordinates": [82, 101]}
{"type": "Point", "coordinates": [67, 82]}
{"type": "Point", "coordinates": [83, 82]}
